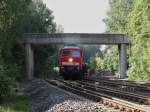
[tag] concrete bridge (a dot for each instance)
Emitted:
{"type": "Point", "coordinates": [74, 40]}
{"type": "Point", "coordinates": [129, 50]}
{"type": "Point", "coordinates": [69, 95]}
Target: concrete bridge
{"type": "Point", "coordinates": [74, 38]}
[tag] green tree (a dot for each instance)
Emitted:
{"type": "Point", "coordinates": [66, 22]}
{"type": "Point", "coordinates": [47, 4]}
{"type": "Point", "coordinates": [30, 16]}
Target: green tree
{"type": "Point", "coordinates": [116, 21]}
{"type": "Point", "coordinates": [11, 12]}
{"type": "Point", "coordinates": [16, 18]}
{"type": "Point", "coordinates": [132, 17]}
{"type": "Point", "coordinates": [138, 30]}
{"type": "Point", "coordinates": [117, 15]}
{"type": "Point", "coordinates": [40, 20]}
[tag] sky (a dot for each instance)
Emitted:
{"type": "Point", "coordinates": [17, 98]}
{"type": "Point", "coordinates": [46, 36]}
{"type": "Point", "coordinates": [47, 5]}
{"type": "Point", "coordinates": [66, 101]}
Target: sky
{"type": "Point", "coordinates": [79, 16]}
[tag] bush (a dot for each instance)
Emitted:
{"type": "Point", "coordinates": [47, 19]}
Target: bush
{"type": "Point", "coordinates": [110, 61]}
{"type": "Point", "coordinates": [5, 84]}
{"type": "Point", "coordinates": [96, 63]}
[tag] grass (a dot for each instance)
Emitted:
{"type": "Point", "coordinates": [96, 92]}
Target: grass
{"type": "Point", "coordinates": [14, 103]}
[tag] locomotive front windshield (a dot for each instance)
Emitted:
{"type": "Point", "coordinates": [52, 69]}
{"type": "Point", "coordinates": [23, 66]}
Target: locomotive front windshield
{"type": "Point", "coordinates": [66, 53]}
{"type": "Point", "coordinates": [71, 53]}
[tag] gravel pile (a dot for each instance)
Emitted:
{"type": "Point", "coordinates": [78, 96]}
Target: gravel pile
{"type": "Point", "coordinates": [46, 98]}
{"type": "Point", "coordinates": [79, 106]}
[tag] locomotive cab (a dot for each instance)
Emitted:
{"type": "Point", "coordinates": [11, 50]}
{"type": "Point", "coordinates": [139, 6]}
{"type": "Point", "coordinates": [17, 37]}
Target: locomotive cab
{"type": "Point", "coordinates": [71, 62]}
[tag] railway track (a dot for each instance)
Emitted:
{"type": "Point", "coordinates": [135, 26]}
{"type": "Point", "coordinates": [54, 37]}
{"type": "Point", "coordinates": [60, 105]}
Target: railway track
{"type": "Point", "coordinates": [116, 93]}
{"type": "Point", "coordinates": [123, 85]}
{"type": "Point", "coordinates": [107, 96]}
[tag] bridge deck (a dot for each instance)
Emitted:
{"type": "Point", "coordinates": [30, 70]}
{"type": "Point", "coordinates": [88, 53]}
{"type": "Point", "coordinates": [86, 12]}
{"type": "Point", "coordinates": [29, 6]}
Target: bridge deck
{"type": "Point", "coordinates": [78, 38]}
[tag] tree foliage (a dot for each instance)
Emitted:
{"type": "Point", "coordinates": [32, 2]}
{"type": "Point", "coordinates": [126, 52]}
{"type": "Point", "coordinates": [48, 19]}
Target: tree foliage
{"type": "Point", "coordinates": [138, 29]}
{"type": "Point", "coordinates": [117, 15]}
{"type": "Point", "coordinates": [132, 17]}
{"type": "Point", "coordinates": [110, 60]}
{"type": "Point", "coordinates": [16, 18]}
{"type": "Point", "coordinates": [115, 21]}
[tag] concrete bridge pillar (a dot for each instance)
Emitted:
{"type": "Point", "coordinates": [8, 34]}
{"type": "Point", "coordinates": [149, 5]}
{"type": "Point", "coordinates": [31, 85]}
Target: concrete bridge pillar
{"type": "Point", "coordinates": [122, 60]}
{"type": "Point", "coordinates": [29, 61]}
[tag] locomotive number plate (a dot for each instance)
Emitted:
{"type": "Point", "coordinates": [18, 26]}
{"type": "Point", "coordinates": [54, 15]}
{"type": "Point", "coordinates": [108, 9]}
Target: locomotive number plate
{"type": "Point", "coordinates": [70, 63]}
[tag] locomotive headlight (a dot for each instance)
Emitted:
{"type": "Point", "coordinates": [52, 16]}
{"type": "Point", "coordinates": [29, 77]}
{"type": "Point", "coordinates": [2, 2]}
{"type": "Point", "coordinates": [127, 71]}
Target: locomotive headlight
{"type": "Point", "coordinates": [70, 59]}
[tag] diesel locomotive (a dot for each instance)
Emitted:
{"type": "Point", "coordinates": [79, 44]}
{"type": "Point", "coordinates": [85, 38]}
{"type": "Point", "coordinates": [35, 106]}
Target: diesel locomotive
{"type": "Point", "coordinates": [71, 62]}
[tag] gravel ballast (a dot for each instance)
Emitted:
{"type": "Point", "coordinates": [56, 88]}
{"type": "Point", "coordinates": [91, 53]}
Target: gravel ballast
{"type": "Point", "coordinates": [46, 98]}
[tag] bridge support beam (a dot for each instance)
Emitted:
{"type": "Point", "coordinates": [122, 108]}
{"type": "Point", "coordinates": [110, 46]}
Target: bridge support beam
{"type": "Point", "coordinates": [122, 60]}
{"type": "Point", "coordinates": [29, 61]}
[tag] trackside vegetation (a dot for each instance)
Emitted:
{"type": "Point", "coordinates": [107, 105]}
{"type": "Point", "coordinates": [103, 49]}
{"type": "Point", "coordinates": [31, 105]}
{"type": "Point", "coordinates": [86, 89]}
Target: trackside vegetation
{"type": "Point", "coordinates": [15, 103]}
{"type": "Point", "coordinates": [130, 17]}
{"type": "Point", "coordinates": [16, 18]}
